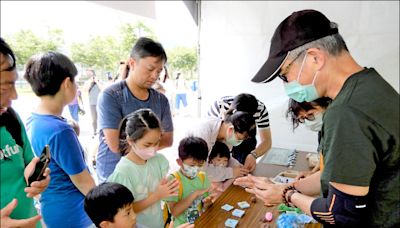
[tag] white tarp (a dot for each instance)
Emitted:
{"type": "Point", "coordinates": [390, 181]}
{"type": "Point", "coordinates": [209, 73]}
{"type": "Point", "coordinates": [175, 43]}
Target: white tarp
{"type": "Point", "coordinates": [235, 39]}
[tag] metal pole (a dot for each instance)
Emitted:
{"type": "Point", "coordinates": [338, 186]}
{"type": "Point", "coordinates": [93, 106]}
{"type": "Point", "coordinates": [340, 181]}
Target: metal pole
{"type": "Point", "coordinates": [198, 58]}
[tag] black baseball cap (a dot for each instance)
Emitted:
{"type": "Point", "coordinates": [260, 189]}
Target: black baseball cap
{"type": "Point", "coordinates": [296, 30]}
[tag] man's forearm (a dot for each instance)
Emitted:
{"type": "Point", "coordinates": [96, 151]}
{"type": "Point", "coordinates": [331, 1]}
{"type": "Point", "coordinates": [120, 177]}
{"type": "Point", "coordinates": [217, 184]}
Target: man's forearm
{"type": "Point", "coordinates": [166, 140]}
{"type": "Point", "coordinates": [266, 142]}
{"type": "Point", "coordinates": [262, 148]}
{"type": "Point", "coordinates": [310, 185]}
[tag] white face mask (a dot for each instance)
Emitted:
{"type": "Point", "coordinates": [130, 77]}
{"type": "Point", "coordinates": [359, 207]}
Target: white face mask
{"type": "Point", "coordinates": [316, 124]}
{"type": "Point", "coordinates": [219, 162]}
{"type": "Point", "coordinates": [190, 171]}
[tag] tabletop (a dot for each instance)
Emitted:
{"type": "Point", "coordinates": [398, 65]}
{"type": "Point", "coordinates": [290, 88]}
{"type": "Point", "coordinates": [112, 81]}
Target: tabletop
{"type": "Point", "coordinates": [253, 216]}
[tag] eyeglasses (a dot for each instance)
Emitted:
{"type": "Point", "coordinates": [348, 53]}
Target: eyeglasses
{"type": "Point", "coordinates": [281, 74]}
{"type": "Point", "coordinates": [302, 119]}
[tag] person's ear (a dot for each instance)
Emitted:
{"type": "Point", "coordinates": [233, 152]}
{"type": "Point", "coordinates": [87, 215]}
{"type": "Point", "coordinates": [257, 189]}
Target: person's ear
{"type": "Point", "coordinates": [231, 129]}
{"type": "Point", "coordinates": [105, 224]}
{"type": "Point", "coordinates": [132, 63]}
{"type": "Point", "coordinates": [179, 162]}
{"type": "Point", "coordinates": [66, 83]}
{"type": "Point", "coordinates": [130, 142]}
{"type": "Point", "coordinates": [318, 58]}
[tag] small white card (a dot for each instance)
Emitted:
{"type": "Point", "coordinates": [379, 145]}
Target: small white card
{"type": "Point", "coordinates": [227, 207]}
{"type": "Point", "coordinates": [243, 204]}
{"type": "Point", "coordinates": [231, 223]}
{"type": "Point", "coordinates": [238, 213]}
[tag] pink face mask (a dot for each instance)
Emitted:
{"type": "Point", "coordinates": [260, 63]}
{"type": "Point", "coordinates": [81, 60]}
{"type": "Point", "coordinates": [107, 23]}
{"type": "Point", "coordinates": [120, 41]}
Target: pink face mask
{"type": "Point", "coordinates": [145, 153]}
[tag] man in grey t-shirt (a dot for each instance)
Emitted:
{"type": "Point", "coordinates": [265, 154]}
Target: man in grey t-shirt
{"type": "Point", "coordinates": [118, 100]}
{"type": "Point", "coordinates": [93, 87]}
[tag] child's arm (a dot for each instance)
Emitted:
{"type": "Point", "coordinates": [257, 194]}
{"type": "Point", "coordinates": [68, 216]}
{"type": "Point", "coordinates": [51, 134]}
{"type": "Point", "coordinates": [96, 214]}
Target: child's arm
{"type": "Point", "coordinates": [227, 183]}
{"type": "Point", "coordinates": [165, 189]}
{"type": "Point", "coordinates": [177, 208]}
{"type": "Point", "coordinates": [217, 173]}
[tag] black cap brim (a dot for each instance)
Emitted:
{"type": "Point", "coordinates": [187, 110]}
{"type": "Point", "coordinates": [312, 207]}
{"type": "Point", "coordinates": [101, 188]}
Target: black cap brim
{"type": "Point", "coordinates": [270, 70]}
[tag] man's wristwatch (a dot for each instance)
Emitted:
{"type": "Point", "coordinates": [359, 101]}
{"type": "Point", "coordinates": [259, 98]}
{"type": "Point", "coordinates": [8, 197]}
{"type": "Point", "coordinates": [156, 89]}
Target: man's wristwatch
{"type": "Point", "coordinates": [254, 154]}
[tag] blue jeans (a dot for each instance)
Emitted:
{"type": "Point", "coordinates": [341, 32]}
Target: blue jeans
{"type": "Point", "coordinates": [180, 97]}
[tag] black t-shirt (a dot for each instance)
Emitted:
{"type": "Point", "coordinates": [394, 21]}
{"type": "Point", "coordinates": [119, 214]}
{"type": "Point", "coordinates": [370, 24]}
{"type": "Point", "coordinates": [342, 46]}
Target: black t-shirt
{"type": "Point", "coordinates": [361, 144]}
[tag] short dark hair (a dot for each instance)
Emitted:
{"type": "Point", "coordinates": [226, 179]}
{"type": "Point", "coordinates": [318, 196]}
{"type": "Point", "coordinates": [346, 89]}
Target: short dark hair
{"type": "Point", "coordinates": [46, 72]}
{"type": "Point", "coordinates": [8, 53]}
{"type": "Point", "coordinates": [219, 149]}
{"type": "Point", "coordinates": [135, 125]}
{"type": "Point", "coordinates": [243, 122]}
{"type": "Point", "coordinates": [245, 102]}
{"type": "Point", "coordinates": [295, 108]}
{"type": "Point", "coordinates": [103, 202]}
{"type": "Point", "coordinates": [145, 47]}
{"type": "Point", "coordinates": [193, 147]}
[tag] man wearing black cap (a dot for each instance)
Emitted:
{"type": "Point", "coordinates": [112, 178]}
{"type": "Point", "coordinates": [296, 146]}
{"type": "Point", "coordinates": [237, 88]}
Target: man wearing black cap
{"type": "Point", "coordinates": [359, 180]}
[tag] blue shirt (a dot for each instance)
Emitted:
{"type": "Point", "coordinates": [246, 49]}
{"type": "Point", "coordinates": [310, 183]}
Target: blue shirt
{"type": "Point", "coordinates": [61, 202]}
{"type": "Point", "coordinates": [114, 103]}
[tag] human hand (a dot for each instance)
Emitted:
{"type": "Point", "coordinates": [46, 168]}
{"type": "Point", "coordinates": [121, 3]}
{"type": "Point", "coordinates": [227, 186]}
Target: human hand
{"type": "Point", "coordinates": [303, 174]}
{"type": "Point", "coordinates": [239, 171]}
{"type": "Point", "coordinates": [7, 222]}
{"type": "Point", "coordinates": [36, 187]}
{"type": "Point", "coordinates": [200, 192]}
{"type": "Point", "coordinates": [167, 188]}
{"type": "Point", "coordinates": [251, 181]}
{"type": "Point", "coordinates": [271, 195]}
{"type": "Point", "coordinates": [250, 163]}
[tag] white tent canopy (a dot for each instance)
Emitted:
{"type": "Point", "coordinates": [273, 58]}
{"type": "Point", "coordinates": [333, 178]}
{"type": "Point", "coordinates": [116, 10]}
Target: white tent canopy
{"type": "Point", "coordinates": [235, 39]}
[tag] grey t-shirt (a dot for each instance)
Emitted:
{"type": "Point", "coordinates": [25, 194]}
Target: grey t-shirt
{"type": "Point", "coordinates": [94, 92]}
{"type": "Point", "coordinates": [114, 103]}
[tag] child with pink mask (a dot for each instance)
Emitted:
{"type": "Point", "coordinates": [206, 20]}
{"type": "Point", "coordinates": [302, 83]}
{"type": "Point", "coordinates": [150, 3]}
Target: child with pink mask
{"type": "Point", "coordinates": [141, 169]}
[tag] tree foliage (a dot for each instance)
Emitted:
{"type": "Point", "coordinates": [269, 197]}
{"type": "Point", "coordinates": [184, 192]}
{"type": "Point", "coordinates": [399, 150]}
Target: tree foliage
{"type": "Point", "coordinates": [99, 53]}
{"type": "Point", "coordinates": [102, 53]}
{"type": "Point", "coordinates": [25, 43]}
{"type": "Point", "coordinates": [182, 59]}
{"type": "Point", "coordinates": [130, 33]}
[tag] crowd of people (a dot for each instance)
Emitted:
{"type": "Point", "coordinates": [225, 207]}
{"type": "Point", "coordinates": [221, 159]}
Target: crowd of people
{"type": "Point", "coordinates": [353, 109]}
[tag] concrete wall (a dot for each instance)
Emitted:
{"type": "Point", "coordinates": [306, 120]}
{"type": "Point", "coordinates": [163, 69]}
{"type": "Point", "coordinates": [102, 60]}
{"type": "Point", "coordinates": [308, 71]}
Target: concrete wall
{"type": "Point", "coordinates": [235, 39]}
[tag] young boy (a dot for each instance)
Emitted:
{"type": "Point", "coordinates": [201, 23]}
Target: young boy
{"type": "Point", "coordinates": [193, 195]}
{"type": "Point", "coordinates": [110, 205]}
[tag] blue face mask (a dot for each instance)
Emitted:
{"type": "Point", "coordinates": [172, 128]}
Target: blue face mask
{"type": "Point", "coordinates": [301, 93]}
{"type": "Point", "coordinates": [232, 140]}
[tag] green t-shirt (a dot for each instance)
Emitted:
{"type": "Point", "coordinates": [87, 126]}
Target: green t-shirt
{"type": "Point", "coordinates": [188, 186]}
{"type": "Point", "coordinates": [143, 180]}
{"type": "Point", "coordinates": [361, 144]}
{"type": "Point", "coordinates": [13, 160]}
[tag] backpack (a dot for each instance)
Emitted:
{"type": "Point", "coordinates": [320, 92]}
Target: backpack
{"type": "Point", "coordinates": [166, 214]}
{"type": "Point", "coordinates": [9, 119]}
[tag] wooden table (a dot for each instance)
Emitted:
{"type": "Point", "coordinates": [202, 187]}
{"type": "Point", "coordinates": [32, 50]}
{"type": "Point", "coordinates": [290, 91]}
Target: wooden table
{"type": "Point", "coordinates": [216, 217]}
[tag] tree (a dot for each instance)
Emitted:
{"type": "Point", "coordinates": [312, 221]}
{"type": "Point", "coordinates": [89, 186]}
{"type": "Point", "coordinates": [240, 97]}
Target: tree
{"type": "Point", "coordinates": [99, 53]}
{"type": "Point", "coordinates": [130, 33]}
{"type": "Point", "coordinates": [182, 59]}
{"type": "Point", "coordinates": [25, 44]}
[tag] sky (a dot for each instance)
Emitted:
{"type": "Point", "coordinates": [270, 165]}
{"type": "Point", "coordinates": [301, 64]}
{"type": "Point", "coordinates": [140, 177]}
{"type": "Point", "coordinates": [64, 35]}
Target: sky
{"type": "Point", "coordinates": [79, 20]}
